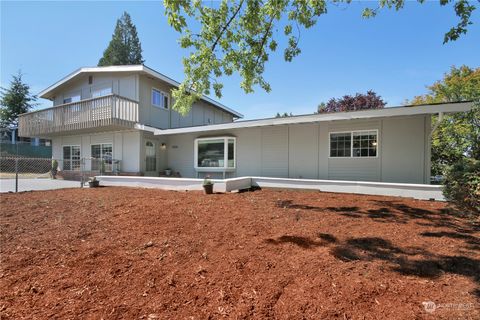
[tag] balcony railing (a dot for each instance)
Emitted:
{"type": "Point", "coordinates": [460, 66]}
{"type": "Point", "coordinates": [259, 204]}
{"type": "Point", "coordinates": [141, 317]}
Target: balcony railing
{"type": "Point", "coordinates": [111, 110]}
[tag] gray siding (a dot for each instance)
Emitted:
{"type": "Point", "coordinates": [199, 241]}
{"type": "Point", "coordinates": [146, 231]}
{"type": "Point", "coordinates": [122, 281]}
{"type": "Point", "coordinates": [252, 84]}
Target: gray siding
{"type": "Point", "coordinates": [302, 151]}
{"type": "Point", "coordinates": [358, 169]}
{"type": "Point", "coordinates": [403, 147]}
{"type": "Point", "coordinates": [202, 113]}
{"type": "Point", "coordinates": [275, 151]}
{"type": "Point", "coordinates": [138, 88]}
{"type": "Point", "coordinates": [124, 84]}
{"type": "Point", "coordinates": [126, 147]}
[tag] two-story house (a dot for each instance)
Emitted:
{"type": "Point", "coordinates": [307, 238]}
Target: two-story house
{"type": "Point", "coordinates": [109, 113]}
{"type": "Point", "coordinates": [119, 119]}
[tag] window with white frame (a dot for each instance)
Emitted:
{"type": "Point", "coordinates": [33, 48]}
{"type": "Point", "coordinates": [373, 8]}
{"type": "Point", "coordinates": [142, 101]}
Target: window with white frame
{"type": "Point", "coordinates": [71, 158]}
{"type": "Point", "coordinates": [354, 144]}
{"type": "Point", "coordinates": [102, 156]}
{"type": "Point", "coordinates": [215, 153]}
{"type": "Point", "coordinates": [340, 144]}
{"type": "Point", "coordinates": [74, 98]}
{"type": "Point", "coordinates": [364, 144]}
{"type": "Point", "coordinates": [159, 99]}
{"type": "Point", "coordinates": [100, 92]}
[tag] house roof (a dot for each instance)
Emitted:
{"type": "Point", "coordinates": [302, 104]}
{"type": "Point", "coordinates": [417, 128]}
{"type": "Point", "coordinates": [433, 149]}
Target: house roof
{"type": "Point", "coordinates": [48, 92]}
{"type": "Point", "coordinates": [316, 118]}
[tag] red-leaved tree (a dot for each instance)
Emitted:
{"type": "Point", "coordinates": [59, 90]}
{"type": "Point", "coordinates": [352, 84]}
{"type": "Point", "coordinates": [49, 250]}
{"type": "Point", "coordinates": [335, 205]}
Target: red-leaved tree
{"type": "Point", "coordinates": [353, 103]}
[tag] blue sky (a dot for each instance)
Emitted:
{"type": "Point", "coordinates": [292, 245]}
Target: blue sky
{"type": "Point", "coordinates": [395, 54]}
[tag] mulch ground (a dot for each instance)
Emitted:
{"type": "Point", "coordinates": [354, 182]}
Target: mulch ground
{"type": "Point", "coordinates": [125, 253]}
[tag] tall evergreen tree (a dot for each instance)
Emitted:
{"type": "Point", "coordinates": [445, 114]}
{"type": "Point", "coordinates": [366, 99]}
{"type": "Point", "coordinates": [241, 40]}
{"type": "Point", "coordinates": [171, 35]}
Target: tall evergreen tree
{"type": "Point", "coordinates": [15, 100]}
{"type": "Point", "coordinates": [125, 47]}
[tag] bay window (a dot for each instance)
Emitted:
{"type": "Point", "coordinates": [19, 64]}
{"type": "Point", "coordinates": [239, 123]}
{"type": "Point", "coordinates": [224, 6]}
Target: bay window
{"type": "Point", "coordinates": [215, 154]}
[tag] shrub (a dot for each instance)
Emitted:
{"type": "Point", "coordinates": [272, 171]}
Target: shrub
{"type": "Point", "coordinates": [207, 181]}
{"type": "Point", "coordinates": [462, 185]}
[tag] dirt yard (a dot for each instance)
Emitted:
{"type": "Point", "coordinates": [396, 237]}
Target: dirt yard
{"type": "Point", "coordinates": [121, 253]}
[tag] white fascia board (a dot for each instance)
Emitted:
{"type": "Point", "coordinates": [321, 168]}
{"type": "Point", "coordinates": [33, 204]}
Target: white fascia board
{"type": "Point", "coordinates": [351, 115]}
{"type": "Point", "coordinates": [133, 68]}
{"type": "Point", "coordinates": [143, 127]}
{"type": "Point", "coordinates": [44, 93]}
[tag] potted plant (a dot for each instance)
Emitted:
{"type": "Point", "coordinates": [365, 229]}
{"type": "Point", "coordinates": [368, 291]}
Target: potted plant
{"type": "Point", "coordinates": [54, 169]}
{"type": "Point", "coordinates": [207, 185]}
{"type": "Point", "coordinates": [93, 182]}
{"type": "Point", "coordinates": [168, 172]}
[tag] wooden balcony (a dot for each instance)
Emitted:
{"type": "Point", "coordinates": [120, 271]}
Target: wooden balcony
{"type": "Point", "coordinates": [107, 111]}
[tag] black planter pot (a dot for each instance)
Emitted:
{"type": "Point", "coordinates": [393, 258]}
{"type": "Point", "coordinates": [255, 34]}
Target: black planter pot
{"type": "Point", "coordinates": [208, 188]}
{"type": "Point", "coordinates": [94, 184]}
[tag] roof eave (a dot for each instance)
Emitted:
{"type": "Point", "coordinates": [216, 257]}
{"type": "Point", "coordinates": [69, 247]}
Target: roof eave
{"type": "Point", "coordinates": [312, 118]}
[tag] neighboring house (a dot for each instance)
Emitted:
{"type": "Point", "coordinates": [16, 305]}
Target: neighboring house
{"type": "Point", "coordinates": [9, 136]}
{"type": "Point", "coordinates": [12, 145]}
{"type": "Point", "coordinates": [124, 113]}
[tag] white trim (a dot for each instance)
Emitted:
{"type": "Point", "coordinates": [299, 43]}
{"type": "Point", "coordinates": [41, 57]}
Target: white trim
{"type": "Point", "coordinates": [79, 160]}
{"type": "Point", "coordinates": [46, 93]}
{"type": "Point", "coordinates": [154, 143]}
{"type": "Point", "coordinates": [351, 144]}
{"type": "Point", "coordinates": [417, 191]}
{"type": "Point", "coordinates": [325, 117]}
{"type": "Point", "coordinates": [163, 94]}
{"type": "Point", "coordinates": [101, 152]}
{"type": "Point", "coordinates": [225, 167]}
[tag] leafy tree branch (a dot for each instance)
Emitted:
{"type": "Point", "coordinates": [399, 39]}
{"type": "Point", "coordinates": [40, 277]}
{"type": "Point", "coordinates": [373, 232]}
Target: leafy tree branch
{"type": "Point", "coordinates": [232, 36]}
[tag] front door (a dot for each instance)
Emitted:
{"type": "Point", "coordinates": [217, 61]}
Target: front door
{"type": "Point", "coordinates": [150, 158]}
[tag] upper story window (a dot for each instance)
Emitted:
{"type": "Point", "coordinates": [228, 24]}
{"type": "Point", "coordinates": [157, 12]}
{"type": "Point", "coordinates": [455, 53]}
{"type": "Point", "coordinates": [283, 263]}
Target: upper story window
{"type": "Point", "coordinates": [100, 92]}
{"type": "Point", "coordinates": [215, 153]}
{"type": "Point", "coordinates": [159, 99]}
{"type": "Point", "coordinates": [74, 98]}
{"type": "Point", "coordinates": [354, 144]}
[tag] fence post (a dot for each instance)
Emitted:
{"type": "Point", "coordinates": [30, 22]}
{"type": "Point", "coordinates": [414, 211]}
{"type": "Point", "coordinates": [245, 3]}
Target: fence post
{"type": "Point", "coordinates": [16, 168]}
{"type": "Point", "coordinates": [82, 169]}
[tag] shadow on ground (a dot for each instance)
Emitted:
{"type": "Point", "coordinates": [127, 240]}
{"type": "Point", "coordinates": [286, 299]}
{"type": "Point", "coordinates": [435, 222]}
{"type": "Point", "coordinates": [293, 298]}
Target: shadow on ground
{"type": "Point", "coordinates": [412, 261]}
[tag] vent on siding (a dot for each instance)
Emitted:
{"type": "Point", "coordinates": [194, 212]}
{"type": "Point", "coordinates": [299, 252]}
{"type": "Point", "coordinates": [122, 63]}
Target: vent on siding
{"type": "Point", "coordinates": [90, 79]}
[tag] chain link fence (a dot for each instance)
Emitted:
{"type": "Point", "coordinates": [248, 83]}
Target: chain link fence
{"type": "Point", "coordinates": [19, 173]}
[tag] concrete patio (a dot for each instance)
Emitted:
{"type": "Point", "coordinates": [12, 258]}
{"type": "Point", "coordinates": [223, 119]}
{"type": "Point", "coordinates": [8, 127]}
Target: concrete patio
{"type": "Point", "coordinates": [8, 185]}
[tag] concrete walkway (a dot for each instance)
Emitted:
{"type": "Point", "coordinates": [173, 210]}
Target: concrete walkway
{"type": "Point", "coordinates": [8, 185]}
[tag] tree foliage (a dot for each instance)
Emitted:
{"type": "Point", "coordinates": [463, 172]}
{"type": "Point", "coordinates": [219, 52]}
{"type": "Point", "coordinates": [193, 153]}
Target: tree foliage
{"type": "Point", "coordinates": [462, 184]}
{"type": "Point", "coordinates": [283, 115]}
{"type": "Point", "coordinates": [125, 47]}
{"type": "Point", "coordinates": [237, 36]}
{"type": "Point", "coordinates": [360, 101]}
{"type": "Point", "coordinates": [15, 100]}
{"type": "Point", "coordinates": [458, 135]}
